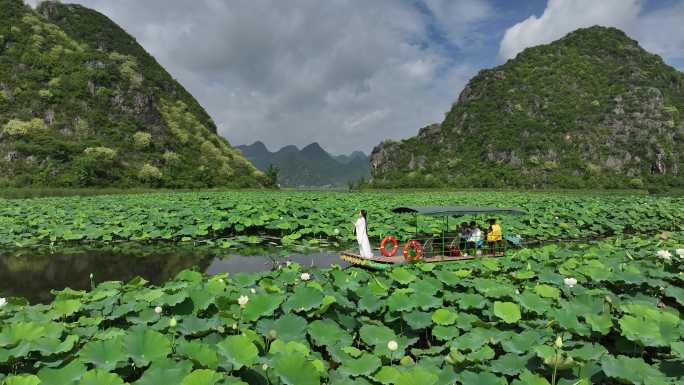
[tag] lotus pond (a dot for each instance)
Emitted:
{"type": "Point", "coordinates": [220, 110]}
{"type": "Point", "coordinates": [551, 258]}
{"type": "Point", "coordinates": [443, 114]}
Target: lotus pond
{"type": "Point", "coordinates": [609, 313]}
{"type": "Point", "coordinates": [33, 273]}
{"type": "Point", "coordinates": [193, 289]}
{"type": "Point", "coordinates": [311, 217]}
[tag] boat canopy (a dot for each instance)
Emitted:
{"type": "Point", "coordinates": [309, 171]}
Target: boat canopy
{"type": "Point", "coordinates": [456, 210]}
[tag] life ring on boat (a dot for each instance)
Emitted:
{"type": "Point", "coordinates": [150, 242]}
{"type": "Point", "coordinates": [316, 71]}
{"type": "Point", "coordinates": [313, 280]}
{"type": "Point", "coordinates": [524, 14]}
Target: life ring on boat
{"type": "Point", "coordinates": [417, 249]}
{"type": "Point", "coordinates": [395, 246]}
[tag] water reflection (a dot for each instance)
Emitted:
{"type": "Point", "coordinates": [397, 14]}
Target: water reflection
{"type": "Point", "coordinates": [33, 273]}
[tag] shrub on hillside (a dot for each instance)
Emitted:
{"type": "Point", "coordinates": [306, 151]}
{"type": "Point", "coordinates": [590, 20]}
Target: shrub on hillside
{"type": "Point", "coordinates": [103, 153]}
{"type": "Point", "coordinates": [17, 127]}
{"type": "Point", "coordinates": [149, 173]}
{"type": "Point", "coordinates": [142, 139]}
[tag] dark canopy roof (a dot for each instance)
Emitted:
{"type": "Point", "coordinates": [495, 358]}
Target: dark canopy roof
{"type": "Point", "coordinates": [456, 210]}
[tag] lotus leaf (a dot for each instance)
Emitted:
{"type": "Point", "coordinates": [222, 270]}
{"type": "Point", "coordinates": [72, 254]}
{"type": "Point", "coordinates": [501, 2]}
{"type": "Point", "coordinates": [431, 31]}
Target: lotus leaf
{"type": "Point", "coordinates": [202, 377]}
{"type": "Point", "coordinates": [238, 350]}
{"type": "Point", "coordinates": [509, 312]}
{"type": "Point", "coordinates": [145, 346]}
{"type": "Point", "coordinates": [100, 377]}
{"type": "Point", "coordinates": [296, 369]}
{"type": "Point", "coordinates": [28, 379]}
{"type": "Point", "coordinates": [444, 317]}
{"type": "Point", "coordinates": [105, 354]}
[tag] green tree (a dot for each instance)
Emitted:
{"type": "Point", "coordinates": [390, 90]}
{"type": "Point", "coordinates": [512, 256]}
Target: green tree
{"type": "Point", "coordinates": [272, 175]}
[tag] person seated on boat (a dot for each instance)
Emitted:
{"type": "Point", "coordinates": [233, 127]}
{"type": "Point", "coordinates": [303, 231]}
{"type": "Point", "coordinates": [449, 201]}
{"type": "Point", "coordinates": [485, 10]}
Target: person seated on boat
{"type": "Point", "coordinates": [360, 229]}
{"type": "Point", "coordinates": [494, 236]}
{"type": "Point", "coordinates": [463, 235]}
{"type": "Point", "coordinates": [475, 238]}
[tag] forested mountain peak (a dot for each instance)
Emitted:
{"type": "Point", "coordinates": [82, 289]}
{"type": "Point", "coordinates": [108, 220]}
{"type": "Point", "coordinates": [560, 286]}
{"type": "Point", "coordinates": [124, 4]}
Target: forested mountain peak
{"type": "Point", "coordinates": [83, 104]}
{"type": "Point", "coordinates": [592, 109]}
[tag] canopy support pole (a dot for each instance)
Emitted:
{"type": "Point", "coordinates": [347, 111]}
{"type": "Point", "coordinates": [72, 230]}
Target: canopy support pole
{"type": "Point", "coordinates": [445, 229]}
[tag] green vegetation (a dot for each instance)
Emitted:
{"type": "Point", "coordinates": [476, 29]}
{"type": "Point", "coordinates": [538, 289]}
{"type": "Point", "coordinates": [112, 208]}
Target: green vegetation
{"type": "Point", "coordinates": [272, 173]}
{"type": "Point", "coordinates": [310, 217]}
{"type": "Point", "coordinates": [608, 314]}
{"type": "Point", "coordinates": [591, 110]}
{"type": "Point", "coordinates": [83, 105]}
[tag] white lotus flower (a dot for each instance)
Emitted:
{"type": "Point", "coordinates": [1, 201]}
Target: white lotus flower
{"type": "Point", "coordinates": [158, 309]}
{"type": "Point", "coordinates": [664, 254]}
{"type": "Point", "coordinates": [305, 276]}
{"type": "Point", "coordinates": [680, 252]}
{"type": "Point", "coordinates": [392, 346]}
{"type": "Point", "coordinates": [243, 300]}
{"type": "Point", "coordinates": [264, 366]}
{"type": "Point", "coordinates": [570, 282]}
{"type": "Point", "coordinates": [252, 290]}
{"type": "Point", "coordinates": [288, 263]}
{"type": "Point", "coordinates": [3, 302]}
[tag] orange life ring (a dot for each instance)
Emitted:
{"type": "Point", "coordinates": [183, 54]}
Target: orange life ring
{"type": "Point", "coordinates": [395, 246]}
{"type": "Point", "coordinates": [417, 247]}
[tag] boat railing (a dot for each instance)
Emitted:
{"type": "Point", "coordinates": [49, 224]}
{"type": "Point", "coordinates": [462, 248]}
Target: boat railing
{"type": "Point", "coordinates": [451, 246]}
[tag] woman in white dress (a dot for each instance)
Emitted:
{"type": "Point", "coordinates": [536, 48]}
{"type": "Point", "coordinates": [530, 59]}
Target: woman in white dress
{"type": "Point", "coordinates": [362, 235]}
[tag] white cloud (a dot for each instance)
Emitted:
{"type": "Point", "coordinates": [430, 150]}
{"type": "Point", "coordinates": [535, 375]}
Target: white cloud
{"type": "Point", "coordinates": [660, 30]}
{"type": "Point", "coordinates": [345, 73]}
{"type": "Point", "coordinates": [458, 18]}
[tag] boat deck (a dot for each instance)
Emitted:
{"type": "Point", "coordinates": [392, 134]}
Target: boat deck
{"type": "Point", "coordinates": [356, 259]}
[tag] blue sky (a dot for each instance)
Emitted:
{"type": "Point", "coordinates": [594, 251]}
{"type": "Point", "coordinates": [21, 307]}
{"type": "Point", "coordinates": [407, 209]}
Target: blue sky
{"type": "Point", "coordinates": [351, 73]}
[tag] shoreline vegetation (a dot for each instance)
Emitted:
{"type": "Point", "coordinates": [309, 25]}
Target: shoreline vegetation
{"type": "Point", "coordinates": [49, 192]}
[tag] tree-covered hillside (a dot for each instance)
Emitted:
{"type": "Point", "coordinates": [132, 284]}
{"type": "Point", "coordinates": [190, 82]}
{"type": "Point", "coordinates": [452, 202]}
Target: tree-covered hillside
{"type": "Point", "coordinates": [83, 104]}
{"type": "Point", "coordinates": [592, 109]}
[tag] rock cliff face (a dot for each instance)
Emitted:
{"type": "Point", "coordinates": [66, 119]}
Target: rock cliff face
{"type": "Point", "coordinates": [83, 104]}
{"type": "Point", "coordinates": [592, 109]}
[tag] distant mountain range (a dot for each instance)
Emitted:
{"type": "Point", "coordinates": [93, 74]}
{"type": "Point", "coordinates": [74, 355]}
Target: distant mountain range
{"type": "Point", "coordinates": [310, 166]}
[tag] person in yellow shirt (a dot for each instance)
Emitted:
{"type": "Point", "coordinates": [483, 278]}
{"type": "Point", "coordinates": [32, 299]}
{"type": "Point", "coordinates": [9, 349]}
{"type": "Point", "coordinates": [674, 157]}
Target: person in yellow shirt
{"type": "Point", "coordinates": [494, 237]}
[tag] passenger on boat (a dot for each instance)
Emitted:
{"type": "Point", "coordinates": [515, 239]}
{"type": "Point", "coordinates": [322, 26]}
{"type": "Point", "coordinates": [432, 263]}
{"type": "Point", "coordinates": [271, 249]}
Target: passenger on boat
{"type": "Point", "coordinates": [494, 236]}
{"type": "Point", "coordinates": [463, 235]}
{"type": "Point", "coordinates": [360, 229]}
{"type": "Point", "coordinates": [475, 238]}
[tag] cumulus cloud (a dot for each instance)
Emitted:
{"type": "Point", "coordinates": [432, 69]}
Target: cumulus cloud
{"type": "Point", "coordinates": [660, 30]}
{"type": "Point", "coordinates": [344, 73]}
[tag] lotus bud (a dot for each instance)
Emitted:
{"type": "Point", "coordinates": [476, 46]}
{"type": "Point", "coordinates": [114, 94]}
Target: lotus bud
{"type": "Point", "coordinates": [272, 334]}
{"type": "Point", "coordinates": [3, 302]}
{"type": "Point", "coordinates": [559, 342]}
{"type": "Point", "coordinates": [158, 310]}
{"type": "Point", "coordinates": [221, 329]}
{"type": "Point", "coordinates": [264, 367]}
{"type": "Point", "coordinates": [392, 346]}
{"type": "Point", "coordinates": [173, 323]}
